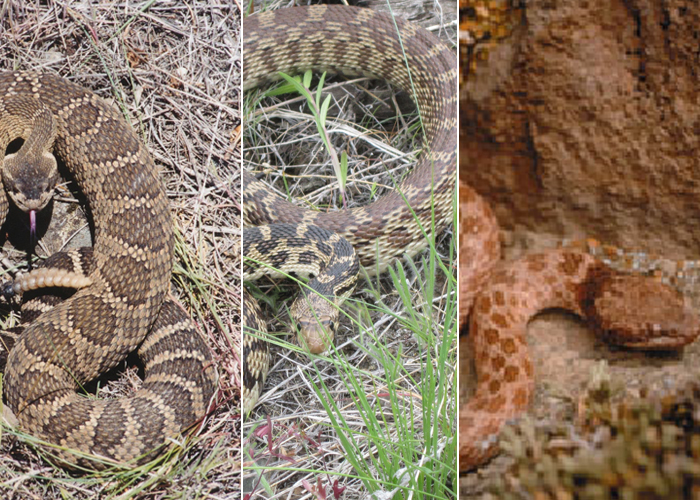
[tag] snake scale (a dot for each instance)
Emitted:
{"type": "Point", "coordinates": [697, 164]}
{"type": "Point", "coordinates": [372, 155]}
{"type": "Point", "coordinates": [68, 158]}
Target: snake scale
{"type": "Point", "coordinates": [128, 269]}
{"type": "Point", "coordinates": [355, 41]}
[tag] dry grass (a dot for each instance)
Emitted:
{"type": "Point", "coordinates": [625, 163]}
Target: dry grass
{"type": "Point", "coordinates": [174, 70]}
{"type": "Point", "coordinates": [306, 453]}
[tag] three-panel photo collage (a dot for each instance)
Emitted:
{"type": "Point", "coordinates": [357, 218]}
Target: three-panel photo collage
{"type": "Point", "coordinates": [350, 249]}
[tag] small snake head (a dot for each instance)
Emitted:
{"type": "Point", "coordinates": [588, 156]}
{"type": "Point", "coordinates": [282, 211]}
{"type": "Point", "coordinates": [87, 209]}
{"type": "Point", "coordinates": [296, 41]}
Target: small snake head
{"type": "Point", "coordinates": [640, 312]}
{"type": "Point", "coordinates": [30, 183]}
{"type": "Point", "coordinates": [316, 335]}
{"type": "Point", "coordinates": [316, 320]}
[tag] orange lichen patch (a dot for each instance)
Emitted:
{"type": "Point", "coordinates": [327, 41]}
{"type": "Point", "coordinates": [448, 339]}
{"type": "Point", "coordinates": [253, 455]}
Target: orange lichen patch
{"type": "Point", "coordinates": [483, 24]}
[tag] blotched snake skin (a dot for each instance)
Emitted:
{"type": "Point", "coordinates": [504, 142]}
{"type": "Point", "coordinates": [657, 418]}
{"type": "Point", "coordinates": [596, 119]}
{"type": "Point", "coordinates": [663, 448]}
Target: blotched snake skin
{"type": "Point", "coordinates": [129, 273]}
{"type": "Point", "coordinates": [357, 41]}
{"type": "Point", "coordinates": [632, 311]}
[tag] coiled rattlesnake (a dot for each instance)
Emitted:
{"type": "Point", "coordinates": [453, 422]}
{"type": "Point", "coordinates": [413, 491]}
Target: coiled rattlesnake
{"type": "Point", "coordinates": [129, 270]}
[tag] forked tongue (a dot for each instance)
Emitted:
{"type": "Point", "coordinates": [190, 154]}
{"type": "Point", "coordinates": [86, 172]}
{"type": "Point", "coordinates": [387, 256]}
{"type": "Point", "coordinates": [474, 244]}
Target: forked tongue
{"type": "Point", "coordinates": [32, 228]}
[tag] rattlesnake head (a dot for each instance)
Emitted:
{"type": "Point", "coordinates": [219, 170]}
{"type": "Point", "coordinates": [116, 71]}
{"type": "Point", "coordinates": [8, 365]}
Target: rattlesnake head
{"type": "Point", "coordinates": [30, 174]}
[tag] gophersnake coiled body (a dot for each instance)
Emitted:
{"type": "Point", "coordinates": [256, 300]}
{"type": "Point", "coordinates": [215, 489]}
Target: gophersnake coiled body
{"type": "Point", "coordinates": [357, 41]}
{"type": "Point", "coordinates": [126, 301]}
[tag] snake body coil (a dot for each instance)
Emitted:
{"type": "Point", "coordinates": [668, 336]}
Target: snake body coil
{"type": "Point", "coordinates": [126, 302]}
{"type": "Point", "coordinates": [355, 41]}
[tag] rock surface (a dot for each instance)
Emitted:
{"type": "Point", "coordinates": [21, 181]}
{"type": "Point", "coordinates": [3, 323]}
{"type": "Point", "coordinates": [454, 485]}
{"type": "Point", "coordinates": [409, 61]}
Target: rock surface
{"type": "Point", "coordinates": [585, 121]}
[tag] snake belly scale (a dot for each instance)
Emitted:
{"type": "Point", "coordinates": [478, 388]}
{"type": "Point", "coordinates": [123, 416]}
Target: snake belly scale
{"type": "Point", "coordinates": [355, 41]}
{"type": "Point", "coordinates": [126, 302]}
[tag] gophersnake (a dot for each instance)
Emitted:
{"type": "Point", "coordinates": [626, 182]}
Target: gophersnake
{"type": "Point", "coordinates": [129, 270]}
{"type": "Point", "coordinates": [356, 41]}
